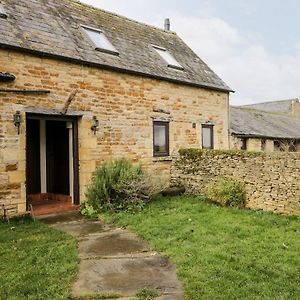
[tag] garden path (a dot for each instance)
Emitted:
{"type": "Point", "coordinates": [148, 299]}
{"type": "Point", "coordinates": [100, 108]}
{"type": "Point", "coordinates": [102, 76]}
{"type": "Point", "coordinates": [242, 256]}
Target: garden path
{"type": "Point", "coordinates": [115, 261]}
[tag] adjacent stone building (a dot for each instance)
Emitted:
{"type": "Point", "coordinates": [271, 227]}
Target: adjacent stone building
{"type": "Point", "coordinates": [255, 129]}
{"type": "Point", "coordinates": [79, 85]}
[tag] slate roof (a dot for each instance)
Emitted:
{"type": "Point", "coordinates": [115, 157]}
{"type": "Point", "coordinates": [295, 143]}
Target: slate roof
{"type": "Point", "coordinates": [255, 123]}
{"type": "Point", "coordinates": [282, 106]}
{"type": "Point", "coordinates": [52, 27]}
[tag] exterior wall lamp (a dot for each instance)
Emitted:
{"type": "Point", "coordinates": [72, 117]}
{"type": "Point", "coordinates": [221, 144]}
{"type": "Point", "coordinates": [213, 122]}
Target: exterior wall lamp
{"type": "Point", "coordinates": [95, 124]}
{"type": "Point", "coordinates": [6, 77]}
{"type": "Point", "coordinates": [18, 120]}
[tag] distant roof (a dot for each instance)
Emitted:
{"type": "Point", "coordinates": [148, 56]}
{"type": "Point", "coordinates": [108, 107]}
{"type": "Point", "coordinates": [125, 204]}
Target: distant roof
{"type": "Point", "coordinates": [52, 27]}
{"type": "Point", "coordinates": [281, 106]}
{"type": "Point", "coordinates": [251, 122]}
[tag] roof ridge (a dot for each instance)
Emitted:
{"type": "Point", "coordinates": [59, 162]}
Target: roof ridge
{"type": "Point", "coordinates": [274, 101]}
{"type": "Point", "coordinates": [78, 2]}
{"type": "Point", "coordinates": [256, 110]}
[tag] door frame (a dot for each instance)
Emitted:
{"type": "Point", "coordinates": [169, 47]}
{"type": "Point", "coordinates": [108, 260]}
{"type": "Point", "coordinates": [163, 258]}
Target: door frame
{"type": "Point", "coordinates": [74, 121]}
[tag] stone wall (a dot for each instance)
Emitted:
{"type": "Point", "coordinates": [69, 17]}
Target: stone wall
{"type": "Point", "coordinates": [271, 180]}
{"type": "Point", "coordinates": [125, 106]}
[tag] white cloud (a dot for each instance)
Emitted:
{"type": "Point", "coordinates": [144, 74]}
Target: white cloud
{"type": "Point", "coordinates": [241, 60]}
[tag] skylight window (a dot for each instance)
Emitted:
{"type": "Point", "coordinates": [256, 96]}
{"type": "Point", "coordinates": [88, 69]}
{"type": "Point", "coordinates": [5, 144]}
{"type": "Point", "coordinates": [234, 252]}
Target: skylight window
{"type": "Point", "coordinates": [100, 40]}
{"type": "Point", "coordinates": [2, 12]}
{"type": "Point", "coordinates": [170, 60]}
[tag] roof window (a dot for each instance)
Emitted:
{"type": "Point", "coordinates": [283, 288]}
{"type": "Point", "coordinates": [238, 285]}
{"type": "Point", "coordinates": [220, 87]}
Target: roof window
{"type": "Point", "coordinates": [100, 40]}
{"type": "Point", "coordinates": [166, 56]}
{"type": "Point", "coordinates": [3, 14]}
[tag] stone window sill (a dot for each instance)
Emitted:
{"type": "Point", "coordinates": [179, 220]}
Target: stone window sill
{"type": "Point", "coordinates": [162, 158]}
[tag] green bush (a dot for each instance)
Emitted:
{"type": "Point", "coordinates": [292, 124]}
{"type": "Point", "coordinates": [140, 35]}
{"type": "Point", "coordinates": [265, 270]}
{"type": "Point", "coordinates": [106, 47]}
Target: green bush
{"type": "Point", "coordinates": [228, 192]}
{"type": "Point", "coordinates": [119, 185]}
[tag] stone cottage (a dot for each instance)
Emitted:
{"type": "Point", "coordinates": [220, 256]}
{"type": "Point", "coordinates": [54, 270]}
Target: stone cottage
{"type": "Point", "coordinates": [275, 129]}
{"type": "Point", "coordinates": [79, 85]}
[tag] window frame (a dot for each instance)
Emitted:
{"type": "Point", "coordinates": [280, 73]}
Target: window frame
{"type": "Point", "coordinates": [166, 124]}
{"type": "Point", "coordinates": [244, 144]}
{"type": "Point", "coordinates": [211, 127]}
{"type": "Point", "coordinates": [263, 144]}
{"type": "Point", "coordinates": [170, 65]}
{"type": "Point", "coordinates": [85, 28]}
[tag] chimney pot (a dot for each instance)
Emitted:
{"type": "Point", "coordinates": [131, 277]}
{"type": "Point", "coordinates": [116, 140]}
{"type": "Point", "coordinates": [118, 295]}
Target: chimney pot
{"type": "Point", "coordinates": [167, 24]}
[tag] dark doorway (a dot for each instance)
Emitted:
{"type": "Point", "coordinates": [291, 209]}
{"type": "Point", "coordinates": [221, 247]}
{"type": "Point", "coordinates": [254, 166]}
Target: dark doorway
{"type": "Point", "coordinates": [58, 171]}
{"type": "Point", "coordinates": [52, 163]}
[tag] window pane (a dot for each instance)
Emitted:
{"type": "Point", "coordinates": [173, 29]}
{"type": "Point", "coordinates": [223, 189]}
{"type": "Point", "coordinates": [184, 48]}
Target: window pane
{"type": "Point", "coordinates": [207, 137]}
{"type": "Point", "coordinates": [100, 40]}
{"type": "Point", "coordinates": [160, 139]}
{"type": "Point", "coordinates": [168, 57]}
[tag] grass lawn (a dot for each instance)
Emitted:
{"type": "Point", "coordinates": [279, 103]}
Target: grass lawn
{"type": "Point", "coordinates": [36, 261]}
{"type": "Point", "coordinates": [223, 253]}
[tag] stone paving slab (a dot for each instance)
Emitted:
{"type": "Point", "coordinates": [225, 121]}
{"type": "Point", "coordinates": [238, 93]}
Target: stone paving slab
{"type": "Point", "coordinates": [115, 260]}
{"type": "Point", "coordinates": [126, 276]}
{"type": "Point", "coordinates": [83, 228]}
{"type": "Point", "coordinates": [112, 243]}
{"type": "Point", "coordinates": [73, 216]}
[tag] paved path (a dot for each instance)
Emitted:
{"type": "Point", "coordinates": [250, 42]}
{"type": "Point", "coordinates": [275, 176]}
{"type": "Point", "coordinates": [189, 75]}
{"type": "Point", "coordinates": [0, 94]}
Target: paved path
{"type": "Point", "coordinates": [115, 260]}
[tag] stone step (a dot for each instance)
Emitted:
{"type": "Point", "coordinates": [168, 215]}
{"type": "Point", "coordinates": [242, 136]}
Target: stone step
{"type": "Point", "coordinates": [53, 207]}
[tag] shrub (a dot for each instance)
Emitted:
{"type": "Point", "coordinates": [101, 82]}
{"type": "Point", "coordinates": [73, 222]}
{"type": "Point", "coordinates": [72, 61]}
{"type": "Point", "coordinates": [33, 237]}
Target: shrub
{"type": "Point", "coordinates": [118, 185]}
{"type": "Point", "coordinates": [87, 210]}
{"type": "Point", "coordinates": [228, 192]}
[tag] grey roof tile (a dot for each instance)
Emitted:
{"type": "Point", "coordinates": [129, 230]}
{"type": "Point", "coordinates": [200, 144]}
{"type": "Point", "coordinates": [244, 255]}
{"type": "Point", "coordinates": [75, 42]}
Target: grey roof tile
{"type": "Point", "coordinates": [281, 106]}
{"type": "Point", "coordinates": [256, 123]}
{"type": "Point", "coordinates": [53, 27]}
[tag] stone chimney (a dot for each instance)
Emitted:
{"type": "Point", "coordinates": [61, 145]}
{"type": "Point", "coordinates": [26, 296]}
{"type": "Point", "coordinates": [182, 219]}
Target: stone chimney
{"type": "Point", "coordinates": [167, 24]}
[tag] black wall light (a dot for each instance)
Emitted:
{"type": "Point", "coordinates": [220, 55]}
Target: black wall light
{"type": "Point", "coordinates": [95, 124]}
{"type": "Point", "coordinates": [18, 120]}
{"type": "Point", "coordinates": [6, 77]}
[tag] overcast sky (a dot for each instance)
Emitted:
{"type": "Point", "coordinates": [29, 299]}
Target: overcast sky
{"type": "Point", "coordinates": [253, 45]}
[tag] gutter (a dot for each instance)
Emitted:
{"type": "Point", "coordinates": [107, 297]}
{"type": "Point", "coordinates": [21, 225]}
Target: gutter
{"type": "Point", "coordinates": [263, 136]}
{"type": "Point", "coordinates": [107, 67]}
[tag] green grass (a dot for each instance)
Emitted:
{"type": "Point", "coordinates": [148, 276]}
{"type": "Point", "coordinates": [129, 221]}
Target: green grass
{"type": "Point", "coordinates": [36, 261]}
{"type": "Point", "coordinates": [223, 253]}
{"type": "Point", "coordinates": [146, 294]}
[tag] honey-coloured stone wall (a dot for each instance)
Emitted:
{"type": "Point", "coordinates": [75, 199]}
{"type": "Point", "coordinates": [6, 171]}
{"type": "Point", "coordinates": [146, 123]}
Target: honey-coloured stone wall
{"type": "Point", "coordinates": [124, 104]}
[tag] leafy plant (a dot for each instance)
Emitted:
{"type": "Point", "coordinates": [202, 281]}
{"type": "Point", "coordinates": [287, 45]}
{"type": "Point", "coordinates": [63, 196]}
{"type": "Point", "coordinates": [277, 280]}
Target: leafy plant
{"type": "Point", "coordinates": [228, 192]}
{"type": "Point", "coordinates": [147, 294]}
{"type": "Point", "coordinates": [119, 185]}
{"type": "Point", "coordinates": [87, 210]}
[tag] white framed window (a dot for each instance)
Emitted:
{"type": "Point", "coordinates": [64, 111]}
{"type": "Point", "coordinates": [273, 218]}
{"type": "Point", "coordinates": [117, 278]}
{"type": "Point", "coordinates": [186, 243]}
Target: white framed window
{"type": "Point", "coordinates": [100, 41]}
{"type": "Point", "coordinates": [3, 14]}
{"type": "Point", "coordinates": [167, 57]}
{"type": "Point", "coordinates": [208, 136]}
{"type": "Point", "coordinates": [160, 138]}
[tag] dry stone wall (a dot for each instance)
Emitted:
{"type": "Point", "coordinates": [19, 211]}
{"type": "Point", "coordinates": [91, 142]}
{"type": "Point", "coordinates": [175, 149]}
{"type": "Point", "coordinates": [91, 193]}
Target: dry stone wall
{"type": "Point", "coordinates": [271, 180]}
